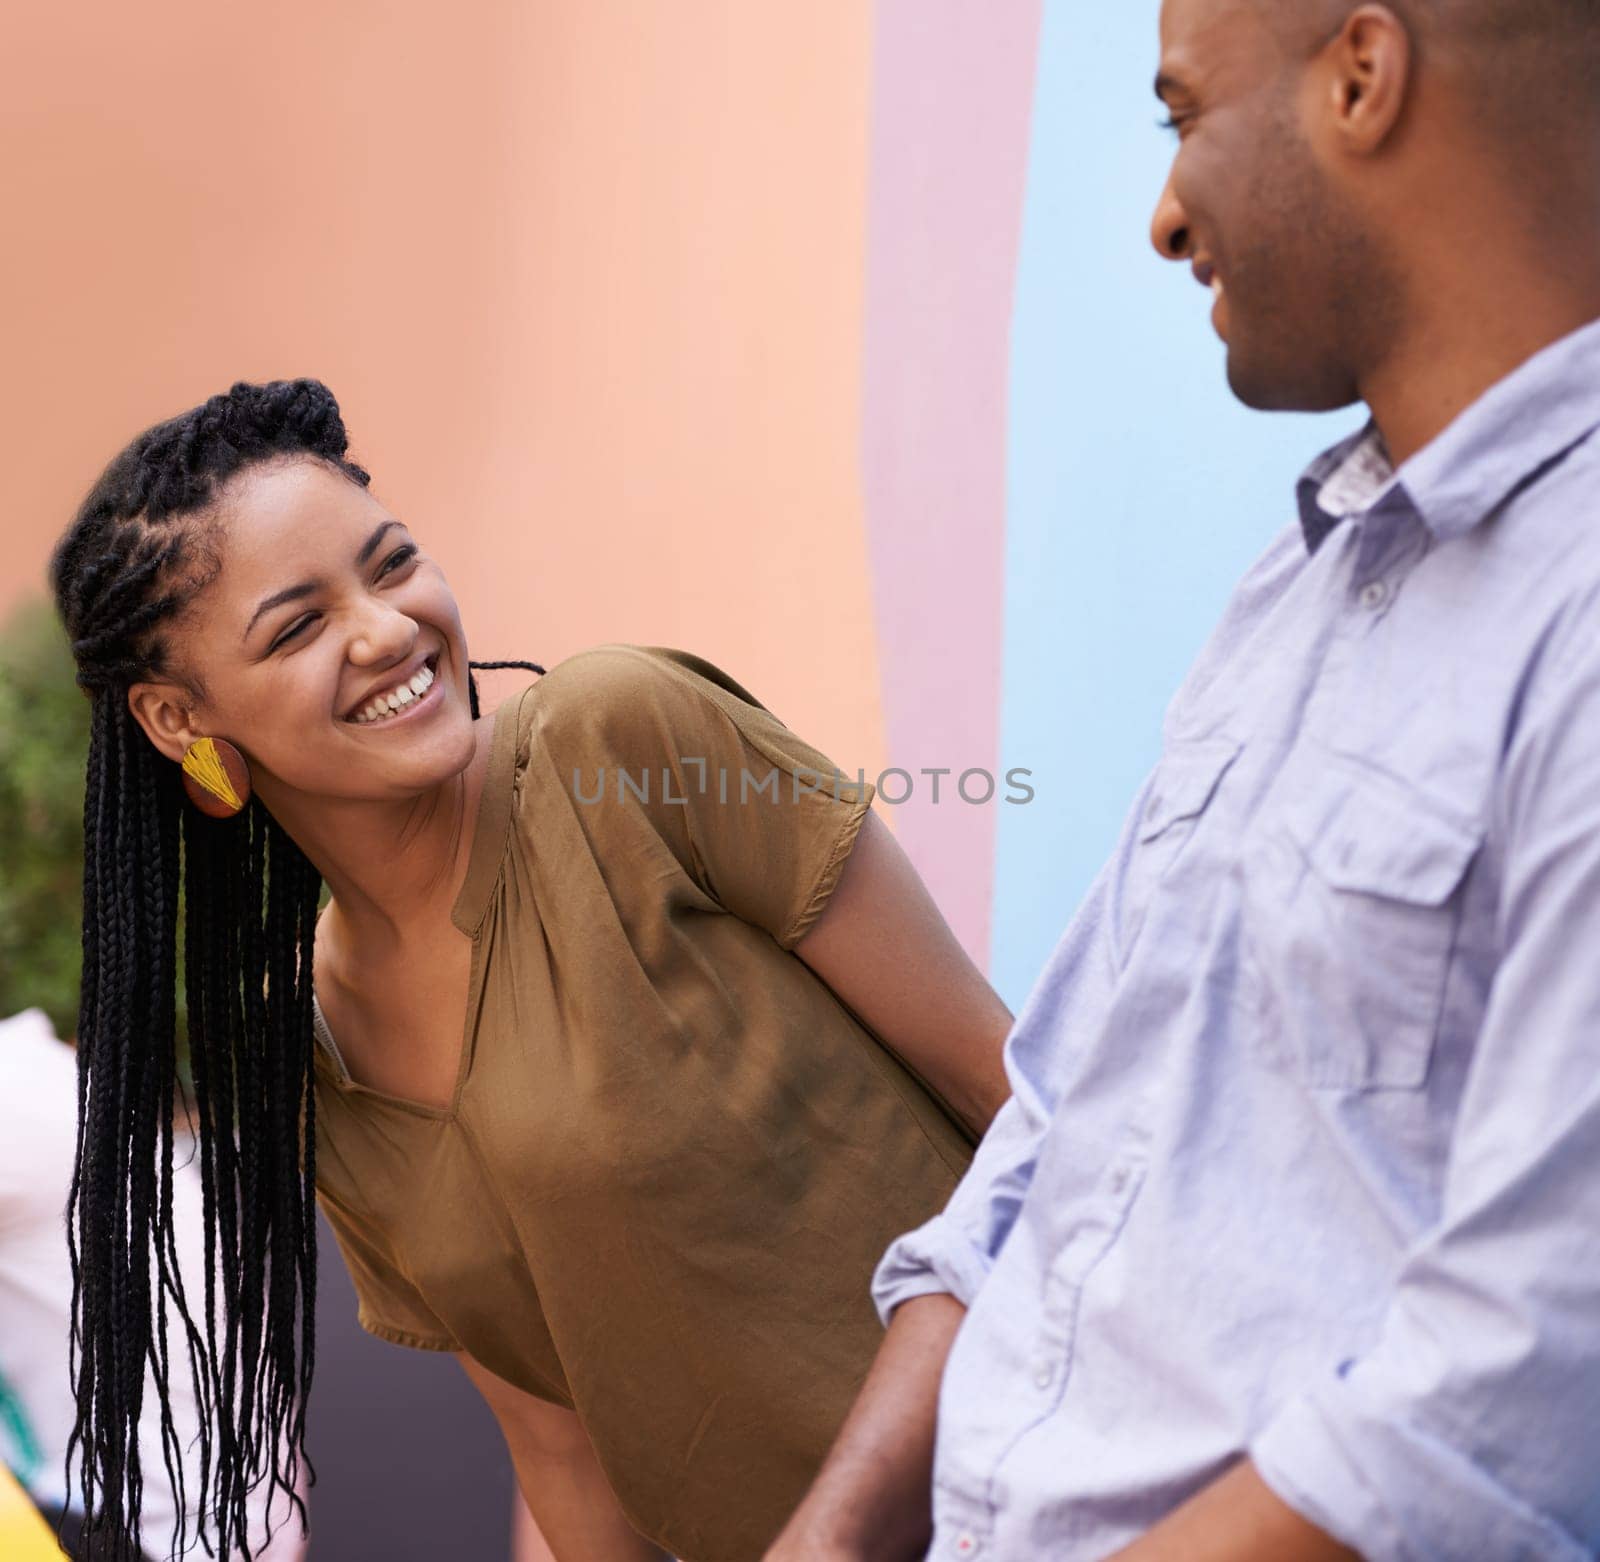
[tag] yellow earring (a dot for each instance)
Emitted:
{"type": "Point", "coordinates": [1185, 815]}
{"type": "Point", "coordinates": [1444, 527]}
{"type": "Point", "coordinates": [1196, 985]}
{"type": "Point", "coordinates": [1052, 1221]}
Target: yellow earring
{"type": "Point", "coordinates": [216, 777]}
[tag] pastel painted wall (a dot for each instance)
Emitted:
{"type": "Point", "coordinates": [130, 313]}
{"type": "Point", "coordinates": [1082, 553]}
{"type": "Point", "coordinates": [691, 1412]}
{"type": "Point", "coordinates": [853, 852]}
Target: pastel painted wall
{"type": "Point", "coordinates": [586, 275]}
{"type": "Point", "coordinates": [951, 92]}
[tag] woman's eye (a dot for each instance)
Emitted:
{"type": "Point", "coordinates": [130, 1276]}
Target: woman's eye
{"type": "Point", "coordinates": [294, 630]}
{"type": "Point", "coordinates": [399, 557]}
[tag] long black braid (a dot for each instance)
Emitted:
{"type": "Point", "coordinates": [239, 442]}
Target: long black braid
{"type": "Point", "coordinates": [142, 545]}
{"type": "Point", "coordinates": [484, 667]}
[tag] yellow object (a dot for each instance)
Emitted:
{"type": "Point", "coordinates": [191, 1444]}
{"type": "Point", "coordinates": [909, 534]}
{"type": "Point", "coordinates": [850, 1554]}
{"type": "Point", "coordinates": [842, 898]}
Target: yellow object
{"type": "Point", "coordinates": [202, 761]}
{"type": "Point", "coordinates": [24, 1536]}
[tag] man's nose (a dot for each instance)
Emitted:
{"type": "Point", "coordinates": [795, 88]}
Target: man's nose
{"type": "Point", "coordinates": [1169, 228]}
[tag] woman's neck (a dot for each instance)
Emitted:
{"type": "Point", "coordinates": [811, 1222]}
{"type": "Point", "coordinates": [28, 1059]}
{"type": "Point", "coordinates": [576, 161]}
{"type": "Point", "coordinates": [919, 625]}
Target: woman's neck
{"type": "Point", "coordinates": [393, 869]}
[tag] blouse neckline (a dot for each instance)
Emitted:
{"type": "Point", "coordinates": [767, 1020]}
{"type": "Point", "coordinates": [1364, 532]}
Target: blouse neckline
{"type": "Point", "coordinates": [484, 865]}
{"type": "Point", "coordinates": [494, 819]}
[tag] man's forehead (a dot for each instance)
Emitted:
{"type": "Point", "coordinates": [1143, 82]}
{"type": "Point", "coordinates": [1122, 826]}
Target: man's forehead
{"type": "Point", "coordinates": [1202, 38]}
{"type": "Point", "coordinates": [1182, 19]}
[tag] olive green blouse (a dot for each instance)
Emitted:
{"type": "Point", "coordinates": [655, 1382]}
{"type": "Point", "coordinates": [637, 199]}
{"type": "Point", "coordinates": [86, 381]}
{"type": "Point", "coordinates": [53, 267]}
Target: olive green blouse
{"type": "Point", "coordinates": [674, 1157]}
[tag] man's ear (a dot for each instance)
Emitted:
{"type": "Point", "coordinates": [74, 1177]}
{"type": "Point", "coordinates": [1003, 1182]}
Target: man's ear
{"type": "Point", "coordinates": [165, 712]}
{"type": "Point", "coordinates": [1371, 64]}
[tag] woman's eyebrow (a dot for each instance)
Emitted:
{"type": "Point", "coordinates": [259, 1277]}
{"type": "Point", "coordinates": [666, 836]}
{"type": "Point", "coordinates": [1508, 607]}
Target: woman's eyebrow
{"type": "Point", "coordinates": [370, 546]}
{"type": "Point", "coordinates": [305, 588]}
{"type": "Point", "coordinates": [277, 599]}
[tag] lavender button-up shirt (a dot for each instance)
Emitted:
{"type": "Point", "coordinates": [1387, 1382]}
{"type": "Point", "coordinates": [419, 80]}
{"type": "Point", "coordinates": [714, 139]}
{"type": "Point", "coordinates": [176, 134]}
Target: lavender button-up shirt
{"type": "Point", "coordinates": [1303, 1160]}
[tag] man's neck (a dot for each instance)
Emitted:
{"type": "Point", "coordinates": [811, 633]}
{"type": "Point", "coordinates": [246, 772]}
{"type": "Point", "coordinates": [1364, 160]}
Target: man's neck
{"type": "Point", "coordinates": [1471, 328]}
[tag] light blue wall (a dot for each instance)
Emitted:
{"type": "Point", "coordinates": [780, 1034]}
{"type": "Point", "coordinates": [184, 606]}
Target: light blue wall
{"type": "Point", "coordinates": [1139, 490]}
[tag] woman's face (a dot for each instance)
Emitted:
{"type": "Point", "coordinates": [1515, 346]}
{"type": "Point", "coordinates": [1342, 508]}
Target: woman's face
{"type": "Point", "coordinates": [325, 609]}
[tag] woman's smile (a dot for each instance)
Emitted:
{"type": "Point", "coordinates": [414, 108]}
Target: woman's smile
{"type": "Point", "coordinates": [405, 697]}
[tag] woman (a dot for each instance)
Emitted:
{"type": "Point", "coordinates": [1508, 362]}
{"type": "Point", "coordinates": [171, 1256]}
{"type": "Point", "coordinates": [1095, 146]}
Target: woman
{"type": "Point", "coordinates": [627, 1040]}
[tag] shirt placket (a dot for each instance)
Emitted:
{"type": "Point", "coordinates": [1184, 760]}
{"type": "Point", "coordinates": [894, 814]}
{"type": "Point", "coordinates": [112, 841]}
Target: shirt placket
{"type": "Point", "coordinates": [967, 1527]}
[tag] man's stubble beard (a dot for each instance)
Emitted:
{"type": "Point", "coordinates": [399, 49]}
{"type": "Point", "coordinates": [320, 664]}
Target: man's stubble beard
{"type": "Point", "coordinates": [1314, 306]}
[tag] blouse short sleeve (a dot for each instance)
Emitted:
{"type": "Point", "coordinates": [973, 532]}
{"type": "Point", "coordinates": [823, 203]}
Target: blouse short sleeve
{"type": "Point", "coordinates": [387, 1305]}
{"type": "Point", "coordinates": [760, 819]}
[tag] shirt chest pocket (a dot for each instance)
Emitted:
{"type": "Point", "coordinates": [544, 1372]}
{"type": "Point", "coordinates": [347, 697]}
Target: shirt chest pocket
{"type": "Point", "coordinates": [1179, 794]}
{"type": "Point", "coordinates": [1350, 909]}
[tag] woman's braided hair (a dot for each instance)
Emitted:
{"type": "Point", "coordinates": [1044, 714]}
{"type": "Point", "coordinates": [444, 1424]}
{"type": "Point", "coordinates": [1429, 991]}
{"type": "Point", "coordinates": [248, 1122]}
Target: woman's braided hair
{"type": "Point", "coordinates": [142, 545]}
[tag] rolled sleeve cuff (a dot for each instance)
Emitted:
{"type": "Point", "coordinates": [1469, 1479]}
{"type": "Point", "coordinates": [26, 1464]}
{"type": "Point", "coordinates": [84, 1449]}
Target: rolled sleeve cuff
{"type": "Point", "coordinates": [935, 1259]}
{"type": "Point", "coordinates": [1394, 1493]}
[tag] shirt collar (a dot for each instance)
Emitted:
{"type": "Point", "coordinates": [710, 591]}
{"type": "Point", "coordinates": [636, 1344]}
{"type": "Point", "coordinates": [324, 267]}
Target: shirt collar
{"type": "Point", "coordinates": [1511, 434]}
{"type": "Point", "coordinates": [1344, 481]}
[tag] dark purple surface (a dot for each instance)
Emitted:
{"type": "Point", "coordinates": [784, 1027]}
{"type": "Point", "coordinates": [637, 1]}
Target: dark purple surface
{"type": "Point", "coordinates": [410, 1464]}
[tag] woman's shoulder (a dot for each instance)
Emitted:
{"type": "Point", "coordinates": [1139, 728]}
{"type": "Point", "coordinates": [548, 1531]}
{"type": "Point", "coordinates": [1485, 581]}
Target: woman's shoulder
{"type": "Point", "coordinates": [618, 671]}
{"type": "Point", "coordinates": [613, 699]}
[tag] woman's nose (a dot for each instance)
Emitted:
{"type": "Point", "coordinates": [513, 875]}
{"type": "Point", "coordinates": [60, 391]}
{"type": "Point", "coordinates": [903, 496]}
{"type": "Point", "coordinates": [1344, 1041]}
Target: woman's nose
{"type": "Point", "coordinates": [382, 634]}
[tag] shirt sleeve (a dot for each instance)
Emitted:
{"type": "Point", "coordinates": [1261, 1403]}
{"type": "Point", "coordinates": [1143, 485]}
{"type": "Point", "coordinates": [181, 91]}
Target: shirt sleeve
{"type": "Point", "coordinates": [762, 821]}
{"type": "Point", "coordinates": [954, 1252]}
{"type": "Point", "coordinates": [1469, 1429]}
{"type": "Point", "coordinates": [387, 1304]}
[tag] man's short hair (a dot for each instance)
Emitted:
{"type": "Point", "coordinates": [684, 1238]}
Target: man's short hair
{"type": "Point", "coordinates": [1538, 61]}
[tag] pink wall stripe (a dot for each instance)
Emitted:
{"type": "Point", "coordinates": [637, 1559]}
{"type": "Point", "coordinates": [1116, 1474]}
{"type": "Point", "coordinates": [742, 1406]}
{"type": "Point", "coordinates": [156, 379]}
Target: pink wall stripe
{"type": "Point", "coordinates": [952, 93]}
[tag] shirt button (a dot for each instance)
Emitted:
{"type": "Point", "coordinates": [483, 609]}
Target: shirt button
{"type": "Point", "coordinates": [1119, 1179]}
{"type": "Point", "coordinates": [966, 1544]}
{"type": "Point", "coordinates": [1042, 1374]}
{"type": "Point", "coordinates": [1374, 594]}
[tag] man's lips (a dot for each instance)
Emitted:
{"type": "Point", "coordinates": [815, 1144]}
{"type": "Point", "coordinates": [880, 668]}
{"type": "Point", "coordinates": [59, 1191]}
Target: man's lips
{"type": "Point", "coordinates": [1205, 273]}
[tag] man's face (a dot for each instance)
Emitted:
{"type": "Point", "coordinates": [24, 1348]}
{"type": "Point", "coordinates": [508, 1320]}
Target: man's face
{"type": "Point", "coordinates": [1249, 206]}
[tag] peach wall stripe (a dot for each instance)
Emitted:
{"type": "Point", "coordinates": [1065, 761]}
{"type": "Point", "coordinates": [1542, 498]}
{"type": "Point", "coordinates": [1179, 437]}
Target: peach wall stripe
{"type": "Point", "coordinates": [676, 393]}
{"type": "Point", "coordinates": [587, 278]}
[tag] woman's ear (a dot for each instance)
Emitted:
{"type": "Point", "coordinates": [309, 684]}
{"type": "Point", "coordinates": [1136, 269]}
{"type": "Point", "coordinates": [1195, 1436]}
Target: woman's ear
{"type": "Point", "coordinates": [163, 710]}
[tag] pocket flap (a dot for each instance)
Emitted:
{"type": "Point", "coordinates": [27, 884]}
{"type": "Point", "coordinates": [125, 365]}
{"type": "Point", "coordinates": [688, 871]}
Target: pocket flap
{"type": "Point", "coordinates": [1376, 836]}
{"type": "Point", "coordinates": [1187, 776]}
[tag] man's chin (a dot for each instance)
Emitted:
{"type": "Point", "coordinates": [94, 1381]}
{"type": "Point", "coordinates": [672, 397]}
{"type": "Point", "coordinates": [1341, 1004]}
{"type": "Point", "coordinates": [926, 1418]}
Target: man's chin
{"type": "Point", "coordinates": [1278, 387]}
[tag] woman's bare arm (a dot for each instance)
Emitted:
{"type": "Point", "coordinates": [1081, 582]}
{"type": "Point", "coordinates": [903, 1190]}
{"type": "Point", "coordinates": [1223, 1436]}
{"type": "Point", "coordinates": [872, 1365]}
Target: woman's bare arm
{"type": "Point", "coordinates": [883, 947]}
{"type": "Point", "coordinates": [561, 1480]}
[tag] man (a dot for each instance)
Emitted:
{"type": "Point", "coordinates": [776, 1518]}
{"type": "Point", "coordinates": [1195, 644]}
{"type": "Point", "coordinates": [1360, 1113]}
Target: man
{"type": "Point", "coordinates": [1288, 1245]}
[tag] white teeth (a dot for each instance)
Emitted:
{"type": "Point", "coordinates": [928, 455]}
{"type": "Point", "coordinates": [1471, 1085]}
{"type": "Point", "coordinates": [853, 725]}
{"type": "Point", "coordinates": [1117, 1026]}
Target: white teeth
{"type": "Point", "coordinates": [396, 699]}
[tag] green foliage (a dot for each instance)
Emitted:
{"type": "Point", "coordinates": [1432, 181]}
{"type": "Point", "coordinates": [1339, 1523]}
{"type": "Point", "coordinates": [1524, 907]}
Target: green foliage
{"type": "Point", "coordinates": [44, 739]}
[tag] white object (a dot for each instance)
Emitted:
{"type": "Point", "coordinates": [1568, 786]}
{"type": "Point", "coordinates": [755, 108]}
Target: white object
{"type": "Point", "coordinates": [38, 1140]}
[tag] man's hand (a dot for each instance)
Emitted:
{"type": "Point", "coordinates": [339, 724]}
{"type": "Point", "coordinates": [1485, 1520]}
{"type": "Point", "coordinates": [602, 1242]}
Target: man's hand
{"type": "Point", "coordinates": [872, 1501]}
{"type": "Point", "coordinates": [1238, 1518]}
